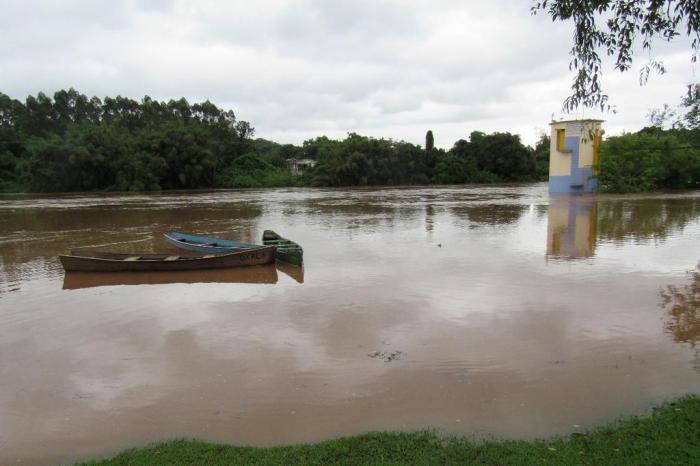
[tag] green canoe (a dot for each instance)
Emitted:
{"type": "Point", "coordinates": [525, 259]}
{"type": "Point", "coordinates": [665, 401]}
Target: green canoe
{"type": "Point", "coordinates": [287, 251]}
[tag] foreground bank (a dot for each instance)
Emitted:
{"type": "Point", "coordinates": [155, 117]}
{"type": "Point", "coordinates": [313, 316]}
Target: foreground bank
{"type": "Point", "coordinates": [671, 435]}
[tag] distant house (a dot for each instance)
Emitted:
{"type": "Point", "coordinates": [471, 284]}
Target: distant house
{"type": "Point", "coordinates": [297, 166]}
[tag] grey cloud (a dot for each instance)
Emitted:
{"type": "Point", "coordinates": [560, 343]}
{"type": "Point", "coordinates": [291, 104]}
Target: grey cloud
{"type": "Point", "coordinates": [305, 68]}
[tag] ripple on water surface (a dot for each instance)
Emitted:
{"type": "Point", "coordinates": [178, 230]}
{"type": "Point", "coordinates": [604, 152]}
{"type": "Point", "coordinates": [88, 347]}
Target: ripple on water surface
{"type": "Point", "coordinates": [475, 310]}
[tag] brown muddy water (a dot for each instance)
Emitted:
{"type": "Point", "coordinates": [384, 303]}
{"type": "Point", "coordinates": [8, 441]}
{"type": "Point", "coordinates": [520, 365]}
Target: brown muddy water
{"type": "Point", "coordinates": [515, 314]}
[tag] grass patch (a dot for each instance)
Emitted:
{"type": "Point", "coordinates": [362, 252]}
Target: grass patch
{"type": "Point", "coordinates": [671, 435]}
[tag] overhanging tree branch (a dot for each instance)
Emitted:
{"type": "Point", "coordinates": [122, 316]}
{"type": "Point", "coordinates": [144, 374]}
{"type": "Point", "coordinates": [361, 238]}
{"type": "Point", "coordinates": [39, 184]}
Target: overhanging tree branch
{"type": "Point", "coordinates": [614, 28]}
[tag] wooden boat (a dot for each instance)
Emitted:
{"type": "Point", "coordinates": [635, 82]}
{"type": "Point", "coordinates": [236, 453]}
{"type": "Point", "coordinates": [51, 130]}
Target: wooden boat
{"type": "Point", "coordinates": [287, 251]}
{"type": "Point", "coordinates": [205, 243]}
{"type": "Point", "coordinates": [113, 262]}
{"type": "Point", "coordinates": [263, 274]}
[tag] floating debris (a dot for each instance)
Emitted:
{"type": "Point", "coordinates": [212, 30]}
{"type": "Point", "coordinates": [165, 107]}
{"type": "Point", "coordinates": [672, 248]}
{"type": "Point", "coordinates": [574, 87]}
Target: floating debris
{"type": "Point", "coordinates": [387, 356]}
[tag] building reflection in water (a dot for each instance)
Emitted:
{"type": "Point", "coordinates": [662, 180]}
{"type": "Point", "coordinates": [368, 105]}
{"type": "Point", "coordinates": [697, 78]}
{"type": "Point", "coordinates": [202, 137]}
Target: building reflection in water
{"type": "Point", "coordinates": [572, 226]}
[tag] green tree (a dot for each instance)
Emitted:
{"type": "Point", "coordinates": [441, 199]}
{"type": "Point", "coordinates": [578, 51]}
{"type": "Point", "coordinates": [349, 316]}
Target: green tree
{"type": "Point", "coordinates": [541, 153]}
{"type": "Point", "coordinates": [11, 173]}
{"type": "Point", "coordinates": [252, 171]}
{"type": "Point", "coordinates": [37, 117]}
{"type": "Point", "coordinates": [56, 164]}
{"type": "Point", "coordinates": [616, 28]}
{"type": "Point", "coordinates": [453, 168]}
{"type": "Point", "coordinates": [76, 143]}
{"type": "Point", "coordinates": [13, 167]}
{"type": "Point", "coordinates": [290, 151]}
{"type": "Point", "coordinates": [184, 148]}
{"type": "Point", "coordinates": [139, 170]}
{"type": "Point", "coordinates": [361, 160]}
{"type": "Point", "coordinates": [648, 161]}
{"type": "Point", "coordinates": [503, 155]}
{"type": "Point", "coordinates": [71, 107]}
{"type": "Point", "coordinates": [686, 115]}
{"type": "Point", "coordinates": [690, 104]}
{"type": "Point", "coordinates": [429, 141]}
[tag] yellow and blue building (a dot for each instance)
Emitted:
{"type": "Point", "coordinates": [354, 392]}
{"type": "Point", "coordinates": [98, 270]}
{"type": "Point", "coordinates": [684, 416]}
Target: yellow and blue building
{"type": "Point", "coordinates": [573, 156]}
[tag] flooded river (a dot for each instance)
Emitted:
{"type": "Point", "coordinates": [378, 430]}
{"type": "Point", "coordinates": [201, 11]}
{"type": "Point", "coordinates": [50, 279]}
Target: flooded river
{"type": "Point", "coordinates": [482, 311]}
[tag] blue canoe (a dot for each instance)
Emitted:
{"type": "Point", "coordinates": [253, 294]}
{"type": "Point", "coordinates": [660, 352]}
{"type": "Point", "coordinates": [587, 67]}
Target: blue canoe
{"type": "Point", "coordinates": [206, 244]}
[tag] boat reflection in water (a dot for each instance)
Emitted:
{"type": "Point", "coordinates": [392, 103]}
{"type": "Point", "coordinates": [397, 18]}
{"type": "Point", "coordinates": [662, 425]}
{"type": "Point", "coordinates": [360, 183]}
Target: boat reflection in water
{"type": "Point", "coordinates": [572, 227]}
{"type": "Point", "coordinates": [296, 272]}
{"type": "Point", "coordinates": [266, 274]}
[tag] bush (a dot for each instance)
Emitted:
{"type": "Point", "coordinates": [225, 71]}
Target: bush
{"type": "Point", "coordinates": [646, 162]}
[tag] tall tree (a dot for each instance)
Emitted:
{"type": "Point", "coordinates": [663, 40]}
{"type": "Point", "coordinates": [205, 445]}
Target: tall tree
{"type": "Point", "coordinates": [429, 141]}
{"type": "Point", "coordinates": [691, 105]}
{"type": "Point", "coordinates": [541, 152]}
{"type": "Point", "coordinates": [683, 116]}
{"type": "Point", "coordinates": [615, 28]}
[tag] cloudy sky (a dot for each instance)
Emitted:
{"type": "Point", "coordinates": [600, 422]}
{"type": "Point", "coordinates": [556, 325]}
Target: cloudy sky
{"type": "Point", "coordinates": [303, 68]}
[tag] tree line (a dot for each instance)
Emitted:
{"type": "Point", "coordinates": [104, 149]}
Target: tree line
{"type": "Point", "coordinates": [76, 143]}
{"type": "Point", "coordinates": [72, 143]}
{"type": "Point", "coordinates": [662, 156]}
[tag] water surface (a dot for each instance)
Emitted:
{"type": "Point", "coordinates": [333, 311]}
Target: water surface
{"type": "Point", "coordinates": [515, 314]}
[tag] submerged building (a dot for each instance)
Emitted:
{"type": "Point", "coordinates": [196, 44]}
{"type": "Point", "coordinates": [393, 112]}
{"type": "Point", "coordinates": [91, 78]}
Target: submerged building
{"type": "Point", "coordinates": [573, 155]}
{"type": "Point", "coordinates": [297, 166]}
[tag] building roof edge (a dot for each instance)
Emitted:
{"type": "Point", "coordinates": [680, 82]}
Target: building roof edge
{"type": "Point", "coordinates": [584, 120]}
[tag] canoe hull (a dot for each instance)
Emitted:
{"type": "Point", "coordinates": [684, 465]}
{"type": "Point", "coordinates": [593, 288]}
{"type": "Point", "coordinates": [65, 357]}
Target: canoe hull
{"type": "Point", "coordinates": [287, 251]}
{"type": "Point", "coordinates": [107, 262]}
{"type": "Point", "coordinates": [206, 243]}
{"type": "Point", "coordinates": [290, 257]}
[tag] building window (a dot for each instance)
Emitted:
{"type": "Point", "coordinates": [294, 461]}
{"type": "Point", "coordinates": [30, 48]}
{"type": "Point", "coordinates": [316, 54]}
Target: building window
{"type": "Point", "coordinates": [561, 140]}
{"type": "Point", "coordinates": [597, 141]}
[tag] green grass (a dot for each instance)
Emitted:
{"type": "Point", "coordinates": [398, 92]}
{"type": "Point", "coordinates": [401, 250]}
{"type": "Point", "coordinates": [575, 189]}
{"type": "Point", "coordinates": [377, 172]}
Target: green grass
{"type": "Point", "coordinates": [671, 435]}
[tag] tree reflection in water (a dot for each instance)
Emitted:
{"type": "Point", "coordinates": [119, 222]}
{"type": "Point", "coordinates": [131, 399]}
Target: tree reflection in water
{"type": "Point", "coordinates": [645, 219]}
{"type": "Point", "coordinates": [683, 304]}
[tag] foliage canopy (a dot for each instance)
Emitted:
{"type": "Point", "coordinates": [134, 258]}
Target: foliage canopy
{"type": "Point", "coordinates": [74, 143]}
{"type": "Point", "coordinates": [649, 160]}
{"type": "Point", "coordinates": [615, 28]}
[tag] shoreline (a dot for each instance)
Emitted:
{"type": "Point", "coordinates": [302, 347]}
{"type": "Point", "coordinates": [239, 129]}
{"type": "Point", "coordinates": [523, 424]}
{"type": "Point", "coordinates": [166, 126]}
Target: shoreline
{"type": "Point", "coordinates": [670, 435]}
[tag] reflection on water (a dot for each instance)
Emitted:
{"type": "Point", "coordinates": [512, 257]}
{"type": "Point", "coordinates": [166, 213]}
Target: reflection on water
{"type": "Point", "coordinates": [643, 219]}
{"type": "Point", "coordinates": [259, 274]}
{"type": "Point", "coordinates": [297, 273]}
{"type": "Point", "coordinates": [490, 214]}
{"type": "Point", "coordinates": [572, 226]}
{"type": "Point", "coordinates": [576, 224]}
{"type": "Point", "coordinates": [33, 233]}
{"type": "Point", "coordinates": [683, 305]}
{"type": "Point", "coordinates": [495, 339]}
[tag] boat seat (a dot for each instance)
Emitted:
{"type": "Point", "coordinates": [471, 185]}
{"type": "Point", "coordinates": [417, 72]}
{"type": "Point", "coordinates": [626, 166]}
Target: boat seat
{"type": "Point", "coordinates": [132, 258]}
{"type": "Point", "coordinates": [172, 258]}
{"type": "Point", "coordinates": [208, 256]}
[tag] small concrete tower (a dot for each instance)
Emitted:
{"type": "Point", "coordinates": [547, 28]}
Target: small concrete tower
{"type": "Point", "coordinates": [573, 153]}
